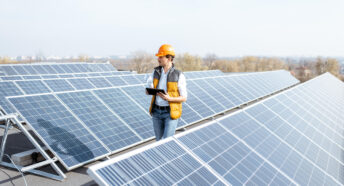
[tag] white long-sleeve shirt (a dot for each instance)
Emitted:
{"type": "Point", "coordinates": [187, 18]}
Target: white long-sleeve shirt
{"type": "Point", "coordinates": [163, 85]}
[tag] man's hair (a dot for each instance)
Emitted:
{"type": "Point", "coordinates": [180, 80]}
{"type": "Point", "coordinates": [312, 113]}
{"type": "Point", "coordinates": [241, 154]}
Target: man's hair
{"type": "Point", "coordinates": [170, 56]}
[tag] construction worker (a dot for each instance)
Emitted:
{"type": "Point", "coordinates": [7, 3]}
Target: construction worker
{"type": "Point", "coordinates": [166, 108]}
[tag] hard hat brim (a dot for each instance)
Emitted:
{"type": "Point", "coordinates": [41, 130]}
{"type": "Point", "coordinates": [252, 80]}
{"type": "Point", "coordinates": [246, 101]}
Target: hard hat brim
{"type": "Point", "coordinates": [158, 55]}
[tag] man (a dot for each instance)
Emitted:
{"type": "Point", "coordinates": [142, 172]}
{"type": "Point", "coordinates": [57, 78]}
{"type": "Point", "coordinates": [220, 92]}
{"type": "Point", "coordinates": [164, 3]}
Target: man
{"type": "Point", "coordinates": [166, 108]}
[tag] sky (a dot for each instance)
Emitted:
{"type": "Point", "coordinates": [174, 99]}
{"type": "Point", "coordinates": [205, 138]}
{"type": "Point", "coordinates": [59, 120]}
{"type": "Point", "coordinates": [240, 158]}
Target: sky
{"type": "Point", "coordinates": [223, 27]}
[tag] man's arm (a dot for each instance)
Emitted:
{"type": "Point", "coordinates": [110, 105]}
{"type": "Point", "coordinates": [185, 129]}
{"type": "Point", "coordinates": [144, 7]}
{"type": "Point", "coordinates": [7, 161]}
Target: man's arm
{"type": "Point", "coordinates": [149, 82]}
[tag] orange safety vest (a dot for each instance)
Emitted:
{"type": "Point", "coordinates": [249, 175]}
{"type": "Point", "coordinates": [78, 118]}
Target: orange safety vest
{"type": "Point", "coordinates": [172, 90]}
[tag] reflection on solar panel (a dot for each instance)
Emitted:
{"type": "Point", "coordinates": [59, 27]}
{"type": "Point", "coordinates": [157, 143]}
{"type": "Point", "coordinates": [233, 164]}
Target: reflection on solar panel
{"type": "Point", "coordinates": [99, 82]}
{"type": "Point", "coordinates": [54, 68]}
{"type": "Point", "coordinates": [80, 83]}
{"type": "Point", "coordinates": [8, 78]}
{"type": "Point", "coordinates": [164, 164]}
{"type": "Point", "coordinates": [130, 79]}
{"type": "Point", "coordinates": [279, 141]}
{"type": "Point", "coordinates": [8, 89]}
{"type": "Point", "coordinates": [116, 81]}
{"type": "Point", "coordinates": [33, 87]}
{"type": "Point", "coordinates": [138, 94]}
{"type": "Point", "coordinates": [59, 85]}
{"type": "Point", "coordinates": [59, 129]}
{"type": "Point", "coordinates": [106, 126]}
{"type": "Point", "coordinates": [128, 110]}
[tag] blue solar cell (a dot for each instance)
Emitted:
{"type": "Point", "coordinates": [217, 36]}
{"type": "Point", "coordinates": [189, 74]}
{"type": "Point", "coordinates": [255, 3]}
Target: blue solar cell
{"type": "Point", "coordinates": [75, 68]}
{"type": "Point", "coordinates": [205, 97]}
{"type": "Point", "coordinates": [66, 68]}
{"type": "Point", "coordinates": [50, 77]}
{"type": "Point", "coordinates": [189, 115]}
{"type": "Point", "coordinates": [32, 77]}
{"type": "Point", "coordinates": [199, 106]}
{"type": "Point", "coordinates": [9, 70]}
{"type": "Point", "coordinates": [141, 77]}
{"type": "Point", "coordinates": [59, 85]}
{"type": "Point", "coordinates": [30, 70]}
{"type": "Point", "coordinates": [131, 79]}
{"type": "Point", "coordinates": [20, 70]}
{"type": "Point", "coordinates": [80, 75]}
{"type": "Point", "coordinates": [11, 78]}
{"type": "Point", "coordinates": [139, 95]}
{"type": "Point", "coordinates": [161, 165]}
{"type": "Point", "coordinates": [116, 81]}
{"type": "Point", "coordinates": [107, 127]}
{"type": "Point", "coordinates": [8, 89]}
{"type": "Point", "coordinates": [66, 75]}
{"type": "Point", "coordinates": [106, 74]}
{"type": "Point", "coordinates": [49, 69]}
{"type": "Point", "coordinates": [33, 86]}
{"type": "Point", "coordinates": [58, 69]}
{"type": "Point", "coordinates": [39, 69]}
{"type": "Point", "coordinates": [59, 130]}
{"type": "Point", "coordinates": [80, 83]}
{"type": "Point", "coordinates": [128, 111]}
{"type": "Point", "coordinates": [217, 95]}
{"type": "Point", "coordinates": [94, 74]}
{"type": "Point", "coordinates": [99, 82]}
{"type": "Point", "coordinates": [232, 89]}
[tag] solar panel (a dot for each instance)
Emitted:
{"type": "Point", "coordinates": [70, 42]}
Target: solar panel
{"type": "Point", "coordinates": [58, 69]}
{"type": "Point", "coordinates": [221, 88]}
{"type": "Point", "coordinates": [20, 70]}
{"type": "Point", "coordinates": [30, 69]}
{"type": "Point", "coordinates": [80, 75]}
{"type": "Point", "coordinates": [8, 89]}
{"type": "Point", "coordinates": [59, 85]}
{"type": "Point", "coordinates": [33, 86]}
{"type": "Point", "coordinates": [138, 94]}
{"type": "Point", "coordinates": [128, 111]}
{"type": "Point", "coordinates": [99, 82]}
{"type": "Point", "coordinates": [49, 69]}
{"type": "Point", "coordinates": [94, 74]}
{"type": "Point", "coordinates": [40, 69]}
{"type": "Point", "coordinates": [50, 76]}
{"type": "Point", "coordinates": [9, 70]}
{"type": "Point", "coordinates": [116, 81]}
{"type": "Point", "coordinates": [66, 75]}
{"type": "Point", "coordinates": [9, 78]}
{"type": "Point", "coordinates": [80, 83]}
{"type": "Point", "coordinates": [102, 122]}
{"type": "Point", "coordinates": [32, 77]}
{"type": "Point", "coordinates": [130, 79]}
{"type": "Point", "coordinates": [205, 97]}
{"type": "Point", "coordinates": [66, 68]}
{"type": "Point", "coordinates": [59, 130]}
{"type": "Point", "coordinates": [231, 87]}
{"type": "Point", "coordinates": [163, 164]}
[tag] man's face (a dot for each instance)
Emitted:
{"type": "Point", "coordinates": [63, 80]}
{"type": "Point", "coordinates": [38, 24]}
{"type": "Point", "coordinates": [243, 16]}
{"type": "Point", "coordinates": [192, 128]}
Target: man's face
{"type": "Point", "coordinates": [163, 61]}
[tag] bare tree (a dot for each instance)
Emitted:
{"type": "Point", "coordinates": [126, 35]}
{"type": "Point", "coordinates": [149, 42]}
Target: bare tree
{"type": "Point", "coordinates": [142, 62]}
{"type": "Point", "coordinates": [209, 61]}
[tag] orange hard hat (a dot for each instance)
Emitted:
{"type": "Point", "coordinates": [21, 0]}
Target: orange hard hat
{"type": "Point", "coordinates": [165, 49]}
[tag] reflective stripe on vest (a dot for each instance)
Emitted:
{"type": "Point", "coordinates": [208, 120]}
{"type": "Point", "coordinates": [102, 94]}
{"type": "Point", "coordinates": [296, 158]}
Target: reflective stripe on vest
{"type": "Point", "coordinates": [172, 90]}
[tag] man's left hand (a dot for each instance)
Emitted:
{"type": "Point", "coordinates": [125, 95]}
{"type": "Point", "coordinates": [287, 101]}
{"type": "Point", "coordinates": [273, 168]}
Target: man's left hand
{"type": "Point", "coordinates": [165, 97]}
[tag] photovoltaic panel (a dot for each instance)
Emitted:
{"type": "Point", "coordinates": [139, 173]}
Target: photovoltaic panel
{"type": "Point", "coordinates": [246, 86]}
{"type": "Point", "coordinates": [164, 164]}
{"type": "Point", "coordinates": [106, 74]}
{"type": "Point", "coordinates": [128, 111]}
{"type": "Point", "coordinates": [33, 86]}
{"type": "Point", "coordinates": [99, 82]}
{"type": "Point", "coordinates": [141, 77]}
{"type": "Point", "coordinates": [66, 75]}
{"type": "Point", "coordinates": [32, 77]}
{"type": "Point", "coordinates": [20, 70]}
{"type": "Point", "coordinates": [205, 97]}
{"type": "Point", "coordinates": [49, 69]}
{"type": "Point", "coordinates": [240, 88]}
{"type": "Point", "coordinates": [217, 95]}
{"type": "Point", "coordinates": [39, 69]}
{"type": "Point", "coordinates": [130, 79]}
{"type": "Point", "coordinates": [30, 69]}
{"type": "Point", "coordinates": [80, 75]}
{"type": "Point", "coordinates": [8, 89]}
{"type": "Point", "coordinates": [75, 68]}
{"type": "Point", "coordinates": [231, 87]}
{"type": "Point", "coordinates": [66, 68]}
{"type": "Point", "coordinates": [106, 126]}
{"type": "Point", "coordinates": [116, 81]}
{"type": "Point", "coordinates": [73, 144]}
{"type": "Point", "coordinates": [230, 158]}
{"type": "Point", "coordinates": [9, 78]}
{"type": "Point", "coordinates": [220, 88]}
{"type": "Point", "coordinates": [94, 74]}
{"type": "Point", "coordinates": [138, 94]}
{"type": "Point", "coordinates": [80, 83]}
{"type": "Point", "coordinates": [59, 85]}
{"type": "Point", "coordinates": [58, 69]}
{"type": "Point", "coordinates": [189, 115]}
{"type": "Point", "coordinates": [199, 106]}
{"type": "Point", "coordinates": [9, 70]}
{"type": "Point", "coordinates": [50, 76]}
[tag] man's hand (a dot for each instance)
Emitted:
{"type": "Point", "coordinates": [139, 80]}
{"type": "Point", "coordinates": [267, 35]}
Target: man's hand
{"type": "Point", "coordinates": [165, 97]}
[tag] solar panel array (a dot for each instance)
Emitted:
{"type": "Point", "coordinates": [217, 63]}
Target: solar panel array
{"type": "Point", "coordinates": [292, 138]}
{"type": "Point", "coordinates": [114, 113]}
{"type": "Point", "coordinates": [54, 68]}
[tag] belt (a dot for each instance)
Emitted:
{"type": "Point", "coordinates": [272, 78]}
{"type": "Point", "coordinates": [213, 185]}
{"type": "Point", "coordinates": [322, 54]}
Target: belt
{"type": "Point", "coordinates": [162, 108]}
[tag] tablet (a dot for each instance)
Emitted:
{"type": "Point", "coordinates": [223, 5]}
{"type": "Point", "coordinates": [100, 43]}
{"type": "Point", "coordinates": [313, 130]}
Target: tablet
{"type": "Point", "coordinates": [153, 91]}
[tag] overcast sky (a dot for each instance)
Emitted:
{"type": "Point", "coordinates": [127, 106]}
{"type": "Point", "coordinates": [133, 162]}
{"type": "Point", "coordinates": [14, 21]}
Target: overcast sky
{"type": "Point", "coordinates": [224, 27]}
